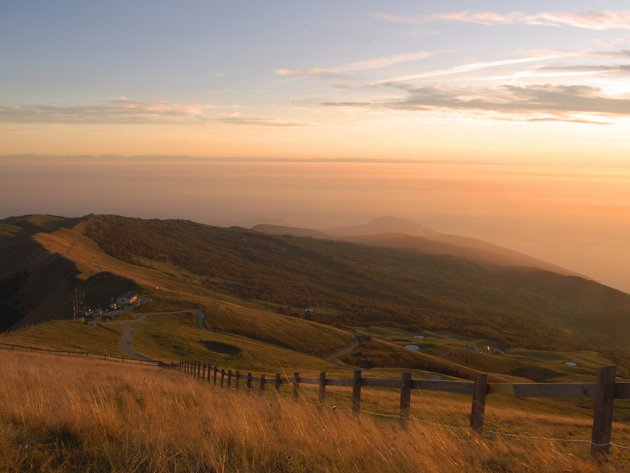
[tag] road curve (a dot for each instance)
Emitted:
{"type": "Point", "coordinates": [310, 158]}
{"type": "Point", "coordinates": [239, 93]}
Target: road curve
{"type": "Point", "coordinates": [125, 339]}
{"type": "Point", "coordinates": [334, 358]}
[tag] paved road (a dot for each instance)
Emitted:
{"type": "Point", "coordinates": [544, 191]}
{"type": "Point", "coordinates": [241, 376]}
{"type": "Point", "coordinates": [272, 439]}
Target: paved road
{"type": "Point", "coordinates": [125, 340]}
{"type": "Point", "coordinates": [334, 358]}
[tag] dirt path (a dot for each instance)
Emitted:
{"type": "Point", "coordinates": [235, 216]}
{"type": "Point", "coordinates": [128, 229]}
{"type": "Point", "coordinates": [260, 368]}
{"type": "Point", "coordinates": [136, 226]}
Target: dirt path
{"type": "Point", "coordinates": [128, 325]}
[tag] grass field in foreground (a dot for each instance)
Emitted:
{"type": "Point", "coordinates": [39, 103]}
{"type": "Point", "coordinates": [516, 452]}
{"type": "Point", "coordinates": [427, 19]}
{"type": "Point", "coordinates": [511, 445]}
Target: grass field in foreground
{"type": "Point", "coordinates": [94, 416]}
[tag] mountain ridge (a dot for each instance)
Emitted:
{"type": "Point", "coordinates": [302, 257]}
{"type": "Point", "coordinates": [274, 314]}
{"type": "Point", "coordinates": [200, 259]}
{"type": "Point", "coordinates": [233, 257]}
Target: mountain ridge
{"type": "Point", "coordinates": [390, 232]}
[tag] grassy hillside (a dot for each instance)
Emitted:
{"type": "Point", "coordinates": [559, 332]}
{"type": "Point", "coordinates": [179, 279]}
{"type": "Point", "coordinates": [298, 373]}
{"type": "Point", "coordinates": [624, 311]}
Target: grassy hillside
{"type": "Point", "coordinates": [96, 416]}
{"type": "Point", "coordinates": [176, 337]}
{"type": "Point", "coordinates": [367, 286]}
{"type": "Point", "coordinates": [289, 332]}
{"type": "Point", "coordinates": [69, 335]}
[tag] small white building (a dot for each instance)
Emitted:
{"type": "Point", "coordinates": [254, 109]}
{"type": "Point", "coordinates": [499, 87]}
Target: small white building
{"type": "Point", "coordinates": [126, 299]}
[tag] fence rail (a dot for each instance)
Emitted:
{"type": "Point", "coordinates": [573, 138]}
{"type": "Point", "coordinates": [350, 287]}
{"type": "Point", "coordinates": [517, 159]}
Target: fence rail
{"type": "Point", "coordinates": [79, 354]}
{"type": "Point", "coordinates": [604, 391]}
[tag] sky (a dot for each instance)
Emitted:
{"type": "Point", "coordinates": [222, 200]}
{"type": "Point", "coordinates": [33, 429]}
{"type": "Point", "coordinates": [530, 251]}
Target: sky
{"type": "Point", "coordinates": [506, 121]}
{"type": "Point", "coordinates": [324, 79]}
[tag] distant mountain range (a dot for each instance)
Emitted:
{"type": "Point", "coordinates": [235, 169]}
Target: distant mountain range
{"type": "Point", "coordinates": [393, 232]}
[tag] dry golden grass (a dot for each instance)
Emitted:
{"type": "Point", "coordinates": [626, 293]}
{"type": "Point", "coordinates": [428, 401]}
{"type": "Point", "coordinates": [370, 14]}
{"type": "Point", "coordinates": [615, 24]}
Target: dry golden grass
{"type": "Point", "coordinates": [70, 415]}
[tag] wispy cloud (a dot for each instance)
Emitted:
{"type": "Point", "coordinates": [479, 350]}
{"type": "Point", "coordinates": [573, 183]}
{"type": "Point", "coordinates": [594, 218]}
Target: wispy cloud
{"type": "Point", "coordinates": [531, 102]}
{"type": "Point", "coordinates": [129, 112]}
{"type": "Point", "coordinates": [594, 20]}
{"type": "Point", "coordinates": [357, 66]}
{"type": "Point", "coordinates": [476, 67]}
{"type": "Point", "coordinates": [259, 121]}
{"type": "Point", "coordinates": [122, 110]}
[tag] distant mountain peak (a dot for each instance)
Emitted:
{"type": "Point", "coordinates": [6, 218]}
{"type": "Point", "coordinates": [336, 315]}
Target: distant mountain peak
{"type": "Point", "coordinates": [384, 225]}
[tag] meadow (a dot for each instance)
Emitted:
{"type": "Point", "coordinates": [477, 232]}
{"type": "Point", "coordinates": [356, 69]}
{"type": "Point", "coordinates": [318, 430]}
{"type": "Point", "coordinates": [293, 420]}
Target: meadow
{"type": "Point", "coordinates": [68, 415]}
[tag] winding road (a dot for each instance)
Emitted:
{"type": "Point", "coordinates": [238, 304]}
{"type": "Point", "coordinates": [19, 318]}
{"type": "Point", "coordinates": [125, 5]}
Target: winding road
{"type": "Point", "coordinates": [356, 341]}
{"type": "Point", "coordinates": [128, 325]}
{"type": "Point", "coordinates": [125, 339]}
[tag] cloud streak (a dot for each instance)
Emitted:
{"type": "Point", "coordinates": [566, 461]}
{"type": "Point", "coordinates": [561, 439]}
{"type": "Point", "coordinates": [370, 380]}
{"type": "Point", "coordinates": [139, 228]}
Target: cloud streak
{"type": "Point", "coordinates": [357, 66]}
{"type": "Point", "coordinates": [593, 20]}
{"type": "Point", "coordinates": [122, 110]}
{"type": "Point", "coordinates": [474, 67]}
{"type": "Point", "coordinates": [531, 102]}
{"type": "Point", "coordinates": [129, 112]}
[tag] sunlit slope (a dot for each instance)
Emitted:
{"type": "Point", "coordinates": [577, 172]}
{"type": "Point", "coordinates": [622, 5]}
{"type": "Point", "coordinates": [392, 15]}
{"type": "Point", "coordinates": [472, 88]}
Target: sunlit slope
{"type": "Point", "coordinates": [176, 337]}
{"type": "Point", "coordinates": [289, 332]}
{"type": "Point", "coordinates": [69, 335]}
{"type": "Point", "coordinates": [352, 284]}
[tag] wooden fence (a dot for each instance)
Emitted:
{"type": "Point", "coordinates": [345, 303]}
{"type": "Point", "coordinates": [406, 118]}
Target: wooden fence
{"type": "Point", "coordinates": [604, 391]}
{"type": "Point", "coordinates": [80, 354]}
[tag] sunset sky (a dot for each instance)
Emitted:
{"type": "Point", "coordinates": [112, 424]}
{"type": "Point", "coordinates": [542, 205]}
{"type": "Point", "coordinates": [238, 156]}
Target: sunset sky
{"type": "Point", "coordinates": [405, 79]}
{"type": "Point", "coordinates": [508, 121]}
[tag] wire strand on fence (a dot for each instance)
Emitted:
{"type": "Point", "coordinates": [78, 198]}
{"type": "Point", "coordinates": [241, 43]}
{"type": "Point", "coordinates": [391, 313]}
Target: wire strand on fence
{"type": "Point", "coordinates": [105, 356]}
{"type": "Point", "coordinates": [490, 431]}
{"type": "Point", "coordinates": [496, 432]}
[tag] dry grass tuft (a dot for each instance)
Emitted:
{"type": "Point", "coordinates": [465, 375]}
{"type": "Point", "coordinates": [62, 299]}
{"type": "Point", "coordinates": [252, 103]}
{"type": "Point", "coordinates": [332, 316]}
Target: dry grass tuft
{"type": "Point", "coordinates": [69, 415]}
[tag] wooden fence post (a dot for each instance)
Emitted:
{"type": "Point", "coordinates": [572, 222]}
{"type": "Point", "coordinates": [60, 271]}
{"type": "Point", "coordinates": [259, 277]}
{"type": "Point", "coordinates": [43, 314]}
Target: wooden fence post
{"type": "Point", "coordinates": [278, 382]}
{"type": "Point", "coordinates": [237, 383]}
{"type": "Point", "coordinates": [296, 385]}
{"type": "Point", "coordinates": [480, 389]}
{"type": "Point", "coordinates": [263, 381]}
{"type": "Point", "coordinates": [356, 391]}
{"type": "Point", "coordinates": [322, 388]}
{"type": "Point", "coordinates": [209, 374]}
{"type": "Point", "coordinates": [405, 397]}
{"type": "Point", "coordinates": [216, 370]}
{"type": "Point", "coordinates": [603, 417]}
{"type": "Point", "coordinates": [203, 370]}
{"type": "Point", "coordinates": [222, 376]}
{"type": "Point", "coordinates": [229, 384]}
{"type": "Point", "coordinates": [249, 382]}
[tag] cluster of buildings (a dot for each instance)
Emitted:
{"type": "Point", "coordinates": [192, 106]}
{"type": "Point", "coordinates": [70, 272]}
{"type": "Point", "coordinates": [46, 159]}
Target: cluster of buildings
{"type": "Point", "coordinates": [88, 315]}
